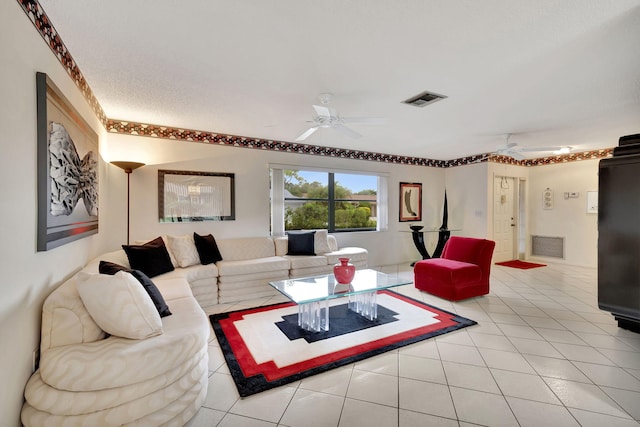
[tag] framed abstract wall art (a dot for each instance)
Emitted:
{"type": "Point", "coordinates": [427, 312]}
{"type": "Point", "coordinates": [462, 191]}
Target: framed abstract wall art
{"type": "Point", "coordinates": [410, 201]}
{"type": "Point", "coordinates": [68, 159]}
{"type": "Point", "coordinates": [185, 196]}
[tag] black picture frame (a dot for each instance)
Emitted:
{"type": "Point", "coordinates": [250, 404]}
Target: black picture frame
{"type": "Point", "coordinates": [68, 147]}
{"type": "Point", "coordinates": [189, 196]}
{"type": "Point", "coordinates": [410, 206]}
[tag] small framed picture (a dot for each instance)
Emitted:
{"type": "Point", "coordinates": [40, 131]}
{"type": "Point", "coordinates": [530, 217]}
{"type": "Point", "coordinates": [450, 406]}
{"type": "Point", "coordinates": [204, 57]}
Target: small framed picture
{"type": "Point", "coordinates": [410, 201]}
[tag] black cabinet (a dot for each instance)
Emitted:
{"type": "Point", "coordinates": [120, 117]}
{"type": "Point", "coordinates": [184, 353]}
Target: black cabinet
{"type": "Point", "coordinates": [619, 236]}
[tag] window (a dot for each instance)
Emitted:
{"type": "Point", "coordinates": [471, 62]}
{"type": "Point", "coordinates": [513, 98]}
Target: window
{"type": "Point", "coordinates": [337, 201]}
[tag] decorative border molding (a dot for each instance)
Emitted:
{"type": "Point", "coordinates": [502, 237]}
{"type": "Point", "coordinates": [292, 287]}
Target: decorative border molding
{"type": "Point", "coordinates": [551, 160]}
{"type": "Point", "coordinates": [205, 137]}
{"type": "Point", "coordinates": [41, 22]}
{"type": "Point", "coordinates": [469, 160]}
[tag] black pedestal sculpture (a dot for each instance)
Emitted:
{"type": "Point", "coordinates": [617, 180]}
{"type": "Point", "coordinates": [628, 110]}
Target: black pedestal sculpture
{"type": "Point", "coordinates": [443, 235]}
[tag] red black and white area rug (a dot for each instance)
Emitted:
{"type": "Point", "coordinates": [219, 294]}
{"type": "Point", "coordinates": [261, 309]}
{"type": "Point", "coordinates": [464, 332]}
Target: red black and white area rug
{"type": "Point", "coordinates": [264, 347]}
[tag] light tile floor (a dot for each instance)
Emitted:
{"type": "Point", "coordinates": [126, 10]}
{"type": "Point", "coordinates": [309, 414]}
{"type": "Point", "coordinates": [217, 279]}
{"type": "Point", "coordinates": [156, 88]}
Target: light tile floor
{"type": "Point", "coordinates": [542, 354]}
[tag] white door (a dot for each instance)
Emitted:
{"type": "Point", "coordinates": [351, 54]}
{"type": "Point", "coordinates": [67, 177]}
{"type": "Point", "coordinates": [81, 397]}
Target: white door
{"type": "Point", "coordinates": [504, 218]}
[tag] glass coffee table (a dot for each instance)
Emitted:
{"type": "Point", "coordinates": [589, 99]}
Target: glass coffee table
{"type": "Point", "coordinates": [312, 295]}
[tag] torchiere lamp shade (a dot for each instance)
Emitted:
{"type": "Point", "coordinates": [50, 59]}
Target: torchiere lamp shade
{"type": "Point", "coordinates": [128, 167]}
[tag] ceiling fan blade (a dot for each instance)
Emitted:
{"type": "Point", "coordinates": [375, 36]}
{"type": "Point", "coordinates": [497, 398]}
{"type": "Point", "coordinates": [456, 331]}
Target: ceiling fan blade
{"type": "Point", "coordinates": [366, 120]}
{"type": "Point", "coordinates": [347, 131]}
{"type": "Point", "coordinates": [536, 149]}
{"type": "Point", "coordinates": [322, 111]}
{"type": "Point", "coordinates": [307, 133]}
{"type": "Point", "coordinates": [515, 154]}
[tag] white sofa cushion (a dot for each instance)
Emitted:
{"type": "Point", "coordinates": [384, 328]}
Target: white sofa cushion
{"type": "Point", "coordinates": [306, 261]}
{"type": "Point", "coordinates": [250, 266]}
{"type": "Point", "coordinates": [333, 243]}
{"type": "Point", "coordinates": [194, 272]}
{"type": "Point", "coordinates": [246, 248]}
{"type": "Point", "coordinates": [184, 250]}
{"type": "Point", "coordinates": [356, 255]}
{"type": "Point", "coordinates": [321, 242]}
{"type": "Point", "coordinates": [119, 305]}
{"type": "Point", "coordinates": [310, 271]}
{"type": "Point", "coordinates": [264, 277]}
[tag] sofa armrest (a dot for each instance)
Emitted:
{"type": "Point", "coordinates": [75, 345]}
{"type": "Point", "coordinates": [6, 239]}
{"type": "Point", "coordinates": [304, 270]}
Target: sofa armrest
{"type": "Point", "coordinates": [116, 362]}
{"type": "Point", "coordinates": [65, 319]}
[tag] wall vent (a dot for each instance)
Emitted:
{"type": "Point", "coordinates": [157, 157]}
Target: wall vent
{"type": "Point", "coordinates": [547, 246]}
{"type": "Point", "coordinates": [423, 99]}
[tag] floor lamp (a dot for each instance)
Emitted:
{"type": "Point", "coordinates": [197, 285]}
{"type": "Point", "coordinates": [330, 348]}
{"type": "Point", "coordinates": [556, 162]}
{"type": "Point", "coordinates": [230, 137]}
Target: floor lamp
{"type": "Point", "coordinates": [128, 167]}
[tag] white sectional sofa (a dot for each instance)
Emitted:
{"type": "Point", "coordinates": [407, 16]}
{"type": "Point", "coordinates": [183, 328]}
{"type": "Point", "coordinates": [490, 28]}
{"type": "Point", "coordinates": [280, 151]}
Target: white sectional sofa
{"type": "Point", "coordinates": [248, 265]}
{"type": "Point", "coordinates": [87, 378]}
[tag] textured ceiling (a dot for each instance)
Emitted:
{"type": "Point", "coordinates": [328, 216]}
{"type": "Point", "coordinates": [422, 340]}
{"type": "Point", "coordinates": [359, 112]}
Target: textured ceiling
{"type": "Point", "coordinates": [563, 72]}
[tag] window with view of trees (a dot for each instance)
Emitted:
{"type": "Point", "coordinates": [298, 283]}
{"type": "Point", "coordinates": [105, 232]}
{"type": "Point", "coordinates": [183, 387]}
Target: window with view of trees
{"type": "Point", "coordinates": [335, 201]}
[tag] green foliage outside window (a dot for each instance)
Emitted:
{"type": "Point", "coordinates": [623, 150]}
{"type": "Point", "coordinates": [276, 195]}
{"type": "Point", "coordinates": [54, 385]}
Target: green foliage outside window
{"type": "Point", "coordinates": [311, 214]}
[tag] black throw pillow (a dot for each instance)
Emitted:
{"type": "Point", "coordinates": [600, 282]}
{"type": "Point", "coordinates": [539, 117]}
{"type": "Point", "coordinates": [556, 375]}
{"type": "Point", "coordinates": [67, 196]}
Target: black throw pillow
{"type": "Point", "coordinates": [207, 249]}
{"type": "Point", "coordinates": [151, 258]}
{"type": "Point", "coordinates": [111, 268]}
{"type": "Point", "coordinates": [301, 243]}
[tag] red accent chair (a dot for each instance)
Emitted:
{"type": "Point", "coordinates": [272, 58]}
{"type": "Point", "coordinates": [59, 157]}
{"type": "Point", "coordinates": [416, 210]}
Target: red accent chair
{"type": "Point", "coordinates": [462, 271]}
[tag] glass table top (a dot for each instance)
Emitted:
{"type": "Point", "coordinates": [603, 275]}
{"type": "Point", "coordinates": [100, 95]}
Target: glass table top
{"type": "Point", "coordinates": [324, 287]}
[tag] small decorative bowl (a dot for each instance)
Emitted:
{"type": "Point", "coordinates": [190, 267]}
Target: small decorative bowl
{"type": "Point", "coordinates": [416, 227]}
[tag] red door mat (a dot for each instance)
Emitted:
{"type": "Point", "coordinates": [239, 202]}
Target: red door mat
{"type": "Point", "coordinates": [523, 265]}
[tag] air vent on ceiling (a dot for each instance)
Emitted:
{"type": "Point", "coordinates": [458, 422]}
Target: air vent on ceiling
{"type": "Point", "coordinates": [424, 98]}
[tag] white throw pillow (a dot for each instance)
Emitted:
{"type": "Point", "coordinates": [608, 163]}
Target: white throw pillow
{"type": "Point", "coordinates": [321, 242]}
{"type": "Point", "coordinates": [119, 305]}
{"type": "Point", "coordinates": [184, 250]}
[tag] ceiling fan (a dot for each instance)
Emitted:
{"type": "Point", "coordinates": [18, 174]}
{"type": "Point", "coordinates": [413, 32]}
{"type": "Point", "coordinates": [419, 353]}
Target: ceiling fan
{"type": "Point", "coordinates": [512, 149]}
{"type": "Point", "coordinates": [327, 117]}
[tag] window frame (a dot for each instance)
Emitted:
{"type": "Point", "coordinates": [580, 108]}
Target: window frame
{"type": "Point", "coordinates": [277, 191]}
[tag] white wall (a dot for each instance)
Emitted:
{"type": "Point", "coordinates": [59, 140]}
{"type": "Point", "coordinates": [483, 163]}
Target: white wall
{"type": "Point", "coordinates": [467, 196]}
{"type": "Point", "coordinates": [470, 195]}
{"type": "Point", "coordinates": [28, 276]}
{"type": "Point", "coordinates": [251, 169]}
{"type": "Point", "coordinates": [568, 218]}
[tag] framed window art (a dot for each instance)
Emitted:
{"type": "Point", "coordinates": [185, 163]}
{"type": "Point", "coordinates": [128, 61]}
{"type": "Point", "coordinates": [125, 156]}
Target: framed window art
{"type": "Point", "coordinates": [186, 196]}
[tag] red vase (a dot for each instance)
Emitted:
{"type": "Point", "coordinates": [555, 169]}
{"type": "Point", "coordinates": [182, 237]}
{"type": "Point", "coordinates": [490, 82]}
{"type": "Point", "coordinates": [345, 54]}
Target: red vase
{"type": "Point", "coordinates": [344, 271]}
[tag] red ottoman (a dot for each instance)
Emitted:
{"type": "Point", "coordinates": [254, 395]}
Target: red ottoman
{"type": "Point", "coordinates": [462, 272]}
